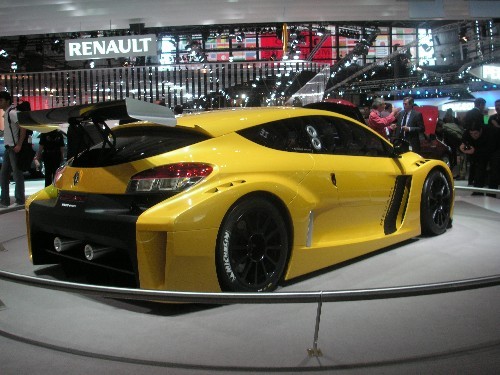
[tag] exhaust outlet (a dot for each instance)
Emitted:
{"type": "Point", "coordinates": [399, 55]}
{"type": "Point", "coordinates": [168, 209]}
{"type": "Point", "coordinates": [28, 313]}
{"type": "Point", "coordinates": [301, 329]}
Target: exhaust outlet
{"type": "Point", "coordinates": [93, 252]}
{"type": "Point", "coordinates": [64, 244]}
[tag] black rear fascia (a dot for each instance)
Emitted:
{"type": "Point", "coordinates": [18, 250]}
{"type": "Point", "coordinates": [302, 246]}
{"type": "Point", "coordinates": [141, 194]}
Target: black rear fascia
{"type": "Point", "coordinates": [97, 219]}
{"type": "Point", "coordinates": [112, 226]}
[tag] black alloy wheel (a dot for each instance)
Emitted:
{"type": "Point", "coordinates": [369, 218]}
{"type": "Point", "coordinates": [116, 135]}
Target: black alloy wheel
{"type": "Point", "coordinates": [435, 206]}
{"type": "Point", "coordinates": [252, 247]}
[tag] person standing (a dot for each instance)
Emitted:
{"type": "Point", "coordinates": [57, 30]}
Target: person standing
{"type": "Point", "coordinates": [482, 143]}
{"type": "Point", "coordinates": [410, 124]}
{"type": "Point", "coordinates": [78, 139]}
{"type": "Point", "coordinates": [449, 118]}
{"type": "Point", "coordinates": [476, 114]}
{"type": "Point", "coordinates": [387, 110]}
{"type": "Point", "coordinates": [382, 125]}
{"type": "Point", "coordinates": [494, 120]}
{"type": "Point", "coordinates": [13, 138]}
{"type": "Point", "coordinates": [452, 136]}
{"type": "Point", "coordinates": [51, 152]}
{"type": "Point", "coordinates": [472, 118]}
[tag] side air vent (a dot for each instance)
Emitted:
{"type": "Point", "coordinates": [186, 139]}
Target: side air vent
{"type": "Point", "coordinates": [421, 162]}
{"type": "Point", "coordinates": [397, 207]}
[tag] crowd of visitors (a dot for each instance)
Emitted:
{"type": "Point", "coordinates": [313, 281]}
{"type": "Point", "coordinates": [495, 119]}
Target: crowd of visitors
{"type": "Point", "coordinates": [475, 143]}
{"type": "Point", "coordinates": [481, 146]}
{"type": "Point", "coordinates": [393, 123]}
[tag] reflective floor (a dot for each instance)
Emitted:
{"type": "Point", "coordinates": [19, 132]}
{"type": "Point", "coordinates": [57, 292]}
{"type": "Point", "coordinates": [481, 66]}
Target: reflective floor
{"type": "Point", "coordinates": [52, 332]}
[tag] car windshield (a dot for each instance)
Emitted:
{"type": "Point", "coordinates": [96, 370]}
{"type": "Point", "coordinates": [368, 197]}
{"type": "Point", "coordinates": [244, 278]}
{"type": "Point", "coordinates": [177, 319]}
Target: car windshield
{"type": "Point", "coordinates": [137, 143]}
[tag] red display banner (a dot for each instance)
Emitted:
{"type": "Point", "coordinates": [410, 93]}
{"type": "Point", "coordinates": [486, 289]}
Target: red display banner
{"type": "Point", "coordinates": [271, 47]}
{"type": "Point", "coordinates": [323, 54]}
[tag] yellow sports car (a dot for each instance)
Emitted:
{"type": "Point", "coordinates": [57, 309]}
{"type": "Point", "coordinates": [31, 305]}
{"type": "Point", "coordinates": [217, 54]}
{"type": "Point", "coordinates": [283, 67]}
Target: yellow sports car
{"type": "Point", "coordinates": [231, 200]}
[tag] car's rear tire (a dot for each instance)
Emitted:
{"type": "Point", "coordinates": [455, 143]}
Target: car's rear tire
{"type": "Point", "coordinates": [435, 205]}
{"type": "Point", "coordinates": [252, 247]}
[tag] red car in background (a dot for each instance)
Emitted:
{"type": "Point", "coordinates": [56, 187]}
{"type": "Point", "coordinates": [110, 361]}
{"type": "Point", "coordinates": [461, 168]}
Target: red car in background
{"type": "Point", "coordinates": [431, 147]}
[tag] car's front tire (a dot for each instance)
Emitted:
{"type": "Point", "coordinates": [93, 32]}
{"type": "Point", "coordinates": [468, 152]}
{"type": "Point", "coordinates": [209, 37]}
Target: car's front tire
{"type": "Point", "coordinates": [252, 247]}
{"type": "Point", "coordinates": [435, 205]}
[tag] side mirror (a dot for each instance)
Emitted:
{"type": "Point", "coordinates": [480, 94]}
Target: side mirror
{"type": "Point", "coordinates": [401, 146]}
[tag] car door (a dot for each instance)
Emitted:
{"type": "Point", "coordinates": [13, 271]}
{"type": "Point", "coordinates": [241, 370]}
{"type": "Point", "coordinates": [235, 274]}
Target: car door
{"type": "Point", "coordinates": [354, 178]}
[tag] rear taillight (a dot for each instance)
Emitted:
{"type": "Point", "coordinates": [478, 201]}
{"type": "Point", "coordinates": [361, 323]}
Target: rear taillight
{"type": "Point", "coordinates": [58, 174]}
{"type": "Point", "coordinates": [168, 178]}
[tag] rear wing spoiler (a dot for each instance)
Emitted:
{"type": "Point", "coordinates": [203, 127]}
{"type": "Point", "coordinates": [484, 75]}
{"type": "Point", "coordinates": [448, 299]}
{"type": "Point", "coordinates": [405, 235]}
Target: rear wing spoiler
{"type": "Point", "coordinates": [127, 109]}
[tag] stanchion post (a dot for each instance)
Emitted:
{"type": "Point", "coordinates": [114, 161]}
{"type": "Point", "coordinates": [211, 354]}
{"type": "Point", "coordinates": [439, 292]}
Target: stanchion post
{"type": "Point", "coordinates": [315, 351]}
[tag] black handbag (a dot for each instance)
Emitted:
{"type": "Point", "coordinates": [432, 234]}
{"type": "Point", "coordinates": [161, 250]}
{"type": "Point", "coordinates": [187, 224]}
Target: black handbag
{"type": "Point", "coordinates": [25, 156]}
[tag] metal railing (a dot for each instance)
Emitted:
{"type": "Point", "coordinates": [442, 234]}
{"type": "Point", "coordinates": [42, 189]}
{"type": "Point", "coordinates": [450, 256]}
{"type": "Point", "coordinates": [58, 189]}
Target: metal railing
{"type": "Point", "coordinates": [478, 190]}
{"type": "Point", "coordinates": [318, 297]}
{"type": "Point", "coordinates": [255, 298]}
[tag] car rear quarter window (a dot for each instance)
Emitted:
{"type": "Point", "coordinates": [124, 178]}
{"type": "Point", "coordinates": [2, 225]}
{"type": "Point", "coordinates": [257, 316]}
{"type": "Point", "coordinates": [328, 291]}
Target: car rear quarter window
{"type": "Point", "coordinates": [319, 135]}
{"type": "Point", "coordinates": [137, 143]}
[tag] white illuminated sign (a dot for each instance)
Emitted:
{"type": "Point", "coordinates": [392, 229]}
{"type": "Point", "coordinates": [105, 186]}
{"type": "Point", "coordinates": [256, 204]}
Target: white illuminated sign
{"type": "Point", "coordinates": [491, 73]}
{"type": "Point", "coordinates": [458, 106]}
{"type": "Point", "coordinates": [110, 47]}
{"type": "Point", "coordinates": [488, 73]}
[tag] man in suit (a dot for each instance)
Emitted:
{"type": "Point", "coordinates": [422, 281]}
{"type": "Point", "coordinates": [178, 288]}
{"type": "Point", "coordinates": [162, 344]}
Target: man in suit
{"type": "Point", "coordinates": [476, 114]}
{"type": "Point", "coordinates": [410, 125]}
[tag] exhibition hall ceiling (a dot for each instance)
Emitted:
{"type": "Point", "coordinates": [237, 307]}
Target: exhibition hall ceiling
{"type": "Point", "coordinates": [26, 17]}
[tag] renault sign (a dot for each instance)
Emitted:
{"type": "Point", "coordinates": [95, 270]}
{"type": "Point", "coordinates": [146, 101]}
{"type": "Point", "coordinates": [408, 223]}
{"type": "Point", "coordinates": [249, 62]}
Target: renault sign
{"type": "Point", "coordinates": [110, 47]}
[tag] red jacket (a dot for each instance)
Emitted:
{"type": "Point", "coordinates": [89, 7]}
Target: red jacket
{"type": "Point", "coordinates": [380, 124]}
